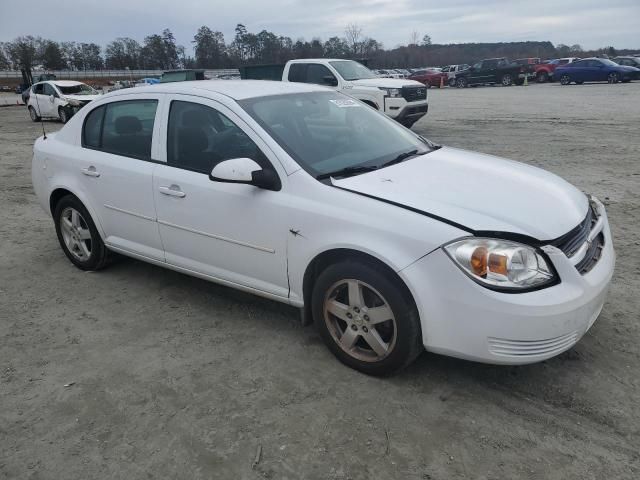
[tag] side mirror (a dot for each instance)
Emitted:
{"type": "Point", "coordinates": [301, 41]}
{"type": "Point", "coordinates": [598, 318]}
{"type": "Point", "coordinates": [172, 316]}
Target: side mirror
{"type": "Point", "coordinates": [330, 80]}
{"type": "Point", "coordinates": [246, 171]}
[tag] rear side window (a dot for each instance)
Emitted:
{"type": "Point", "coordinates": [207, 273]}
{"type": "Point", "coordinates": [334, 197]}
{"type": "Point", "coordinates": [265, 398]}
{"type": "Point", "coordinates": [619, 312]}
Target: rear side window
{"type": "Point", "coordinates": [93, 128]}
{"type": "Point", "coordinates": [123, 128]}
{"type": "Point", "coordinates": [298, 72]}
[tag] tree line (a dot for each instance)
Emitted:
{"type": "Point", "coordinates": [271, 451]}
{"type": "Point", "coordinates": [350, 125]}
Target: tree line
{"type": "Point", "coordinates": [210, 50]}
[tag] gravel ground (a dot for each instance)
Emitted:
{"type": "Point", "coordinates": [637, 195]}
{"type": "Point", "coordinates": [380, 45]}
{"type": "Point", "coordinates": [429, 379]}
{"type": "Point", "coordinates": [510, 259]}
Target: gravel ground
{"type": "Point", "coordinates": [173, 377]}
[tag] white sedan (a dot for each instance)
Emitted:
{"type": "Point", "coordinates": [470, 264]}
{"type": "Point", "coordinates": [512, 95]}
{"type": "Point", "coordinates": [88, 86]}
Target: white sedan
{"type": "Point", "coordinates": [388, 242]}
{"type": "Point", "coordinates": [59, 99]}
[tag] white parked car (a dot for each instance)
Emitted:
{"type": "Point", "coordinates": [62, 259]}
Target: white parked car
{"type": "Point", "coordinates": [301, 194]}
{"type": "Point", "coordinates": [59, 99]}
{"type": "Point", "coordinates": [452, 72]}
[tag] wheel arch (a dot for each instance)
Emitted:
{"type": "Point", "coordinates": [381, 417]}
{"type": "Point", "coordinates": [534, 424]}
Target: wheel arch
{"type": "Point", "coordinates": [371, 103]}
{"type": "Point", "coordinates": [335, 255]}
{"type": "Point", "coordinates": [59, 192]}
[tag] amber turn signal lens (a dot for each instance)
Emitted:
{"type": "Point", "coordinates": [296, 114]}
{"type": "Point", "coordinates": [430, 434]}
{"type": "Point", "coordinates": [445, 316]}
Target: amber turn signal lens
{"type": "Point", "coordinates": [498, 264]}
{"type": "Point", "coordinates": [479, 261]}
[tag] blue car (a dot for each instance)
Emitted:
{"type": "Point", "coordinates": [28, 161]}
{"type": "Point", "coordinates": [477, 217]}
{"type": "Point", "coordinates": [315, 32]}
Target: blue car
{"type": "Point", "coordinates": [595, 70]}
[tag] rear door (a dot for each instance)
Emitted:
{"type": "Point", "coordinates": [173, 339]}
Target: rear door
{"type": "Point", "coordinates": [116, 170]}
{"type": "Point", "coordinates": [477, 73]}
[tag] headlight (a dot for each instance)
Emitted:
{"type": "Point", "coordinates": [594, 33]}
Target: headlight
{"type": "Point", "coordinates": [392, 92]}
{"type": "Point", "coordinates": [501, 264]}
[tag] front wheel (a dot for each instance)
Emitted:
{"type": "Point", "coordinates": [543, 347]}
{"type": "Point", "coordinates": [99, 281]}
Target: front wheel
{"type": "Point", "coordinates": [565, 80]}
{"type": "Point", "coordinates": [506, 80]}
{"type": "Point", "coordinates": [63, 114]}
{"type": "Point", "coordinates": [365, 318]}
{"type": "Point", "coordinates": [542, 77]}
{"type": "Point", "coordinates": [461, 82]}
{"type": "Point", "coordinates": [78, 235]}
{"type": "Point", "coordinates": [613, 78]}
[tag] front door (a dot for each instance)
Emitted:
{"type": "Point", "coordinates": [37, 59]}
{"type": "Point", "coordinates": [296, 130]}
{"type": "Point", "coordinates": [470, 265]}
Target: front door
{"type": "Point", "coordinates": [48, 101]}
{"type": "Point", "coordinates": [232, 232]}
{"type": "Point", "coordinates": [116, 173]}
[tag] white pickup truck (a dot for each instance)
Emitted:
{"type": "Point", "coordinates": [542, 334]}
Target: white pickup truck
{"type": "Point", "coordinates": [400, 99]}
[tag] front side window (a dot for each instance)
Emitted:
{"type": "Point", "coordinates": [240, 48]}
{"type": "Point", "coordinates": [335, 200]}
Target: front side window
{"type": "Point", "coordinates": [122, 128]}
{"type": "Point", "coordinates": [326, 131]}
{"type": "Point", "coordinates": [317, 73]}
{"type": "Point", "coordinates": [48, 90]}
{"type": "Point", "coordinates": [38, 88]}
{"type": "Point", "coordinates": [199, 137]}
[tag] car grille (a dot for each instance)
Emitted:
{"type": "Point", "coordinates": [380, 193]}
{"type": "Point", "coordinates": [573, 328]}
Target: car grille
{"type": "Point", "coordinates": [414, 94]}
{"type": "Point", "coordinates": [573, 241]}
{"type": "Point", "coordinates": [531, 348]}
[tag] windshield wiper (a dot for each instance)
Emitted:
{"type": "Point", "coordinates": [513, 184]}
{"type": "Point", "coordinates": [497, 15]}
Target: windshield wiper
{"type": "Point", "coordinates": [402, 157]}
{"type": "Point", "coordinates": [347, 171]}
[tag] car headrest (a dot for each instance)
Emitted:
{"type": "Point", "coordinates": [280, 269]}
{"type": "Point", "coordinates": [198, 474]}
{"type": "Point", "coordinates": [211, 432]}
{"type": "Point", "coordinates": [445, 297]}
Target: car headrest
{"type": "Point", "coordinates": [128, 125]}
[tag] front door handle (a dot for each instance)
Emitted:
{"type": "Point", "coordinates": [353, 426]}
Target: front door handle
{"type": "Point", "coordinates": [173, 191]}
{"type": "Point", "coordinates": [91, 171]}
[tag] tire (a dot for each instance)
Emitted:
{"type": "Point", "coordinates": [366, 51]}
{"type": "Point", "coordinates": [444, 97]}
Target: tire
{"type": "Point", "coordinates": [452, 82]}
{"type": "Point", "coordinates": [542, 77]}
{"type": "Point", "coordinates": [506, 80]}
{"type": "Point", "coordinates": [565, 80]}
{"type": "Point", "coordinates": [34, 116]}
{"type": "Point", "coordinates": [63, 114]}
{"type": "Point", "coordinates": [78, 230]}
{"type": "Point", "coordinates": [461, 82]}
{"type": "Point", "coordinates": [396, 341]}
{"type": "Point", "coordinates": [613, 77]}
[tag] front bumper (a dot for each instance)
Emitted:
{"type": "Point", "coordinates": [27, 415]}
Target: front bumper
{"type": "Point", "coordinates": [463, 319]}
{"type": "Point", "coordinates": [399, 109]}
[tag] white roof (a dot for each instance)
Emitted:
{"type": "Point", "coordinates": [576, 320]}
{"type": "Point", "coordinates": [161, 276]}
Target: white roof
{"type": "Point", "coordinates": [236, 89]}
{"type": "Point", "coordinates": [65, 83]}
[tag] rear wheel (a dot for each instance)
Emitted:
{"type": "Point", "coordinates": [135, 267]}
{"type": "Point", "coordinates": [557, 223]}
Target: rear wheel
{"type": "Point", "coordinates": [365, 318]}
{"type": "Point", "coordinates": [461, 82]}
{"type": "Point", "coordinates": [565, 80]}
{"type": "Point", "coordinates": [452, 82]}
{"type": "Point", "coordinates": [34, 116]}
{"type": "Point", "coordinates": [78, 235]}
{"type": "Point", "coordinates": [506, 80]}
{"type": "Point", "coordinates": [542, 77]}
{"type": "Point", "coordinates": [613, 78]}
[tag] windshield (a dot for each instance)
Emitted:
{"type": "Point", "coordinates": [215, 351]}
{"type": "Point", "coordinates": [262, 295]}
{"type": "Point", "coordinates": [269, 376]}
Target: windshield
{"type": "Point", "coordinates": [81, 89]}
{"type": "Point", "coordinates": [327, 131]}
{"type": "Point", "coordinates": [350, 70]}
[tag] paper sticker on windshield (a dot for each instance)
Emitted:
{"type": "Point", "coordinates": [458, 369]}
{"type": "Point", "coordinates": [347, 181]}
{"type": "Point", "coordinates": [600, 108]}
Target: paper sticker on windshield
{"type": "Point", "coordinates": [344, 103]}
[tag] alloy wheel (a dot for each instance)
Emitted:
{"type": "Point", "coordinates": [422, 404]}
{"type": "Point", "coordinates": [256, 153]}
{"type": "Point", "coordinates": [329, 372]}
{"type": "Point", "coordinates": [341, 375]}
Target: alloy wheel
{"type": "Point", "coordinates": [565, 80]}
{"type": "Point", "coordinates": [506, 80]}
{"type": "Point", "coordinates": [360, 320]}
{"type": "Point", "coordinates": [76, 234]}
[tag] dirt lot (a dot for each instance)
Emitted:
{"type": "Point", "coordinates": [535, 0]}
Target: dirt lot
{"type": "Point", "coordinates": [173, 377]}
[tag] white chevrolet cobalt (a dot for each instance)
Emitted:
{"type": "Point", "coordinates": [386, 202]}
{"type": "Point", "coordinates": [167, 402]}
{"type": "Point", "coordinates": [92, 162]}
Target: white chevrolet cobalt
{"type": "Point", "coordinates": [298, 193]}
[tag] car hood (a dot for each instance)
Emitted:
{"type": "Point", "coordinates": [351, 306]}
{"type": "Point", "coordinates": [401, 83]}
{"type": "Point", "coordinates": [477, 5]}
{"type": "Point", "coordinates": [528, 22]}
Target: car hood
{"type": "Point", "coordinates": [387, 83]}
{"type": "Point", "coordinates": [477, 191]}
{"type": "Point", "coordinates": [82, 98]}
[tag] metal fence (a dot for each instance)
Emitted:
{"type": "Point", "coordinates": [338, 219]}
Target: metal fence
{"type": "Point", "coordinates": [86, 74]}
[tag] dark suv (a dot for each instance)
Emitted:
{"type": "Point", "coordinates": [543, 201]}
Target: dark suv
{"type": "Point", "coordinates": [491, 70]}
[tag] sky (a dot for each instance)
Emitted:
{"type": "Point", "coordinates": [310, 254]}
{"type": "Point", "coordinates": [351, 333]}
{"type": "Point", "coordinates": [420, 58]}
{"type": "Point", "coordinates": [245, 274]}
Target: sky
{"type": "Point", "coordinates": [590, 23]}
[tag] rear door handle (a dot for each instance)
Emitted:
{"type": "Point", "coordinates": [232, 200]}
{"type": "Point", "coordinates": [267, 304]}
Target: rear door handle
{"type": "Point", "coordinates": [173, 191]}
{"type": "Point", "coordinates": [91, 171]}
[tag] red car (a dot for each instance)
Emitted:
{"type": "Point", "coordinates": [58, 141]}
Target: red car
{"type": "Point", "coordinates": [431, 77]}
{"type": "Point", "coordinates": [544, 71]}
